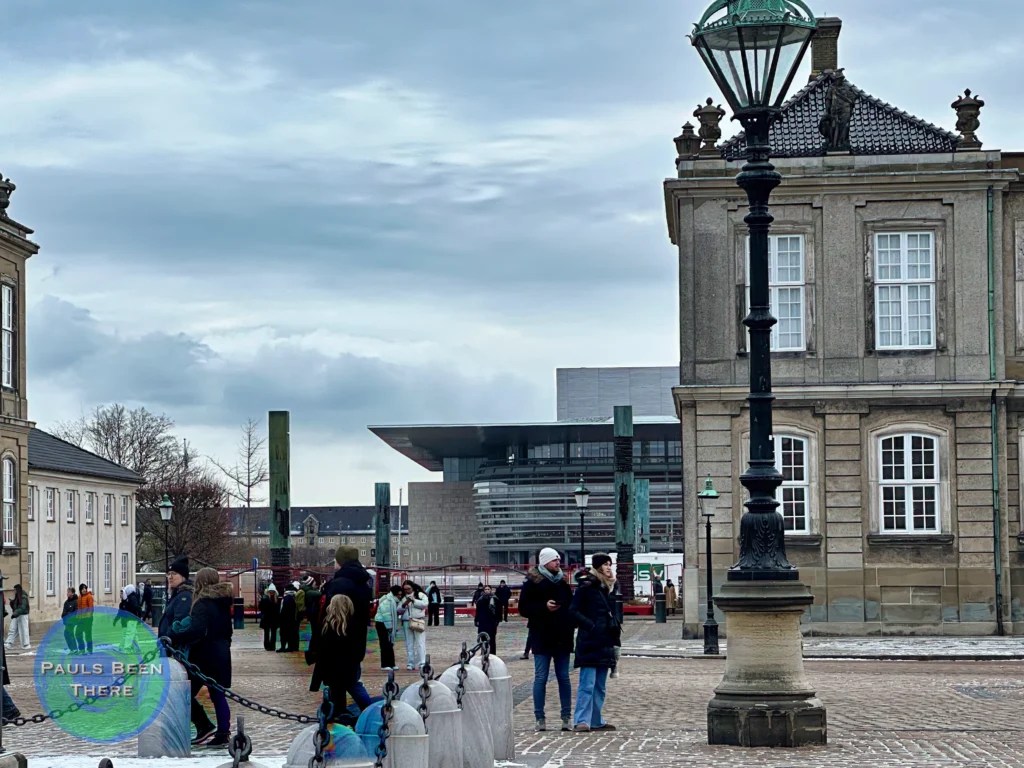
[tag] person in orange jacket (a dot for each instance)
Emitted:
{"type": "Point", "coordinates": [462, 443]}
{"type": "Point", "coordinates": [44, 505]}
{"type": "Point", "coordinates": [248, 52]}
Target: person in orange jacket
{"type": "Point", "coordinates": [83, 627]}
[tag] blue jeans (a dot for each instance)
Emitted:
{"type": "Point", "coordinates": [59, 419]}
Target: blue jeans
{"type": "Point", "coordinates": [541, 668]}
{"type": "Point", "coordinates": [590, 696]}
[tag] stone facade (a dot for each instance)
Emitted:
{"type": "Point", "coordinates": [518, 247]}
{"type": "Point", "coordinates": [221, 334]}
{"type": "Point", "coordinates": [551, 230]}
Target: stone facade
{"type": "Point", "coordinates": [443, 525]}
{"type": "Point", "coordinates": [944, 403]}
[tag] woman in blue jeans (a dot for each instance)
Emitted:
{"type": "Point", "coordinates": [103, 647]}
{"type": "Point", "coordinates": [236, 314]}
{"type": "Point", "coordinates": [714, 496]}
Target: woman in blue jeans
{"type": "Point", "coordinates": [599, 634]}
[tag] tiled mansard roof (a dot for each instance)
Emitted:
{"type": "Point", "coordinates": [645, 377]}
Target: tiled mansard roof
{"type": "Point", "coordinates": [876, 128]}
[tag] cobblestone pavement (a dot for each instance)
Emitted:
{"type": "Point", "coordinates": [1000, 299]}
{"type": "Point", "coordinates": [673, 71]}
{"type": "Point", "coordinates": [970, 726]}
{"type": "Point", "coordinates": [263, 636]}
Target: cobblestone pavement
{"type": "Point", "coordinates": [881, 713]}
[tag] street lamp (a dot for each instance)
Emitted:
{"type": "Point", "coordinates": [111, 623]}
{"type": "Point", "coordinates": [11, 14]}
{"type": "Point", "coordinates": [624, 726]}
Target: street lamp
{"type": "Point", "coordinates": [753, 49]}
{"type": "Point", "coordinates": [582, 494]}
{"type": "Point", "coordinates": [706, 500]}
{"type": "Point", "coordinates": [166, 510]}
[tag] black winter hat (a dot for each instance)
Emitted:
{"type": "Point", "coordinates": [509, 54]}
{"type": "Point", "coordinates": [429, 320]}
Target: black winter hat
{"type": "Point", "coordinates": [179, 565]}
{"type": "Point", "coordinates": [599, 559]}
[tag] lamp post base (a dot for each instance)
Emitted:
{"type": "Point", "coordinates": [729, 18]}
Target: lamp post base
{"type": "Point", "coordinates": [765, 699]}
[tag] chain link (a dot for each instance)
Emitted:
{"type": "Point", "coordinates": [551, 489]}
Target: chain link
{"type": "Point", "coordinates": [426, 672]}
{"type": "Point", "coordinates": [460, 688]}
{"type": "Point", "coordinates": [387, 711]}
{"type": "Point", "coordinates": [240, 746]}
{"type": "Point", "coordinates": [485, 652]}
{"type": "Point", "coordinates": [322, 737]}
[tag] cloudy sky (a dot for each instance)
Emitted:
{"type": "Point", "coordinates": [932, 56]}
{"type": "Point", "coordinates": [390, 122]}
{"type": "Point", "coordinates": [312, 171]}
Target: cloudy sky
{"type": "Point", "coordinates": [380, 212]}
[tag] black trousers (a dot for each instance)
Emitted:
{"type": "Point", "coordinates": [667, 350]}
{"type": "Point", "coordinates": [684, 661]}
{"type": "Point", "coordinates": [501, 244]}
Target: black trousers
{"type": "Point", "coordinates": [269, 638]}
{"type": "Point", "coordinates": [492, 633]}
{"type": "Point", "coordinates": [504, 611]}
{"type": "Point", "coordinates": [433, 615]}
{"type": "Point", "coordinates": [387, 648]}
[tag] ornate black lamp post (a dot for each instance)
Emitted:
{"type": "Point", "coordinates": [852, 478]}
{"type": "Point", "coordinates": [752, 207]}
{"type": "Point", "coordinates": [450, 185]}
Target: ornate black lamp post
{"type": "Point", "coordinates": [753, 49]}
{"type": "Point", "coordinates": [166, 510]}
{"type": "Point", "coordinates": [582, 495]}
{"type": "Point", "coordinates": [706, 501]}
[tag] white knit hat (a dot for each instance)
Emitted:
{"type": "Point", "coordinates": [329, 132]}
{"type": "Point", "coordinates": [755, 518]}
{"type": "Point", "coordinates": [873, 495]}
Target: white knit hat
{"type": "Point", "coordinates": [547, 555]}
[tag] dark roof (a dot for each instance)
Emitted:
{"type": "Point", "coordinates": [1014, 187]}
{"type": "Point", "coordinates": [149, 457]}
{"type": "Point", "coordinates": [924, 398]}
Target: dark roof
{"type": "Point", "coordinates": [51, 453]}
{"type": "Point", "coordinates": [334, 521]}
{"type": "Point", "coordinates": [876, 128]}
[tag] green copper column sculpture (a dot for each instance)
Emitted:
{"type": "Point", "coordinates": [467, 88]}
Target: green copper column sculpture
{"type": "Point", "coordinates": [279, 443]}
{"type": "Point", "coordinates": [382, 529]}
{"type": "Point", "coordinates": [625, 512]}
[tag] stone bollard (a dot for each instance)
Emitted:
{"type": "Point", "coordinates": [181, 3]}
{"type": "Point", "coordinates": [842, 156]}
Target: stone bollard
{"type": "Point", "coordinates": [477, 733]}
{"type": "Point", "coordinates": [170, 734]}
{"type": "Point", "coordinates": [407, 743]}
{"type": "Point", "coordinates": [449, 611]}
{"type": "Point", "coordinates": [443, 724]}
{"type": "Point", "coordinates": [659, 609]}
{"type": "Point", "coordinates": [344, 749]}
{"type": "Point", "coordinates": [501, 706]}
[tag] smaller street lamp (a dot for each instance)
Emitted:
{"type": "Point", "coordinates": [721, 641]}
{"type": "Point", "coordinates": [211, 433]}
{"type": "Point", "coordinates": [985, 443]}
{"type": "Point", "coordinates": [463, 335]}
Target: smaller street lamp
{"type": "Point", "coordinates": [166, 510]}
{"type": "Point", "coordinates": [582, 494]}
{"type": "Point", "coordinates": [706, 503]}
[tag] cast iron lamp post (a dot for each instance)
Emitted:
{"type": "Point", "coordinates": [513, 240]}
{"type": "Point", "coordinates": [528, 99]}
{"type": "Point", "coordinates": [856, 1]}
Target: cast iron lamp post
{"type": "Point", "coordinates": [753, 49]}
{"type": "Point", "coordinates": [166, 510]}
{"type": "Point", "coordinates": [706, 501]}
{"type": "Point", "coordinates": [582, 494]}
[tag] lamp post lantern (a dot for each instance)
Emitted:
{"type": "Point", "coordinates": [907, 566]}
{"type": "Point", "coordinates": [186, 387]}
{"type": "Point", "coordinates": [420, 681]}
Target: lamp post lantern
{"type": "Point", "coordinates": [582, 495]}
{"type": "Point", "coordinates": [753, 49]}
{"type": "Point", "coordinates": [706, 502]}
{"type": "Point", "coordinates": [166, 510]}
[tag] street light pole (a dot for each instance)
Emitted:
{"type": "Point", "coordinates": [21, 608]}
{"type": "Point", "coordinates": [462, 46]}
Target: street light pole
{"type": "Point", "coordinates": [166, 511]}
{"type": "Point", "coordinates": [582, 496]}
{"type": "Point", "coordinates": [706, 501]}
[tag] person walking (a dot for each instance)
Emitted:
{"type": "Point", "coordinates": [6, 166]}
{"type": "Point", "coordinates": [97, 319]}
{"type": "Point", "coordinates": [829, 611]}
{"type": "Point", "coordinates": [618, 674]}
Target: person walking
{"type": "Point", "coordinates": [270, 616]}
{"type": "Point", "coordinates": [67, 617]}
{"type": "Point", "coordinates": [597, 641]}
{"type": "Point", "coordinates": [336, 652]}
{"type": "Point", "coordinates": [488, 614]}
{"type": "Point", "coordinates": [128, 612]}
{"type": "Point", "coordinates": [386, 622]}
{"type": "Point", "coordinates": [147, 600]}
{"type": "Point", "coordinates": [670, 597]}
{"type": "Point", "coordinates": [9, 709]}
{"type": "Point", "coordinates": [433, 605]}
{"type": "Point", "coordinates": [83, 619]}
{"type": "Point", "coordinates": [289, 622]}
{"type": "Point", "coordinates": [477, 593]}
{"type": "Point", "coordinates": [504, 595]}
{"type": "Point", "coordinates": [206, 632]}
{"type": "Point", "coordinates": [544, 602]}
{"type": "Point", "coordinates": [657, 588]}
{"type": "Point", "coordinates": [311, 601]}
{"type": "Point", "coordinates": [179, 604]}
{"type": "Point", "coordinates": [19, 619]}
{"type": "Point", "coordinates": [413, 610]}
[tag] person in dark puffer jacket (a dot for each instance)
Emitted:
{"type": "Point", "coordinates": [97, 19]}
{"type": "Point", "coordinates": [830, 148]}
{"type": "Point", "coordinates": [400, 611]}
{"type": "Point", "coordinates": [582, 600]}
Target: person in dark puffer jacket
{"type": "Point", "coordinates": [598, 637]}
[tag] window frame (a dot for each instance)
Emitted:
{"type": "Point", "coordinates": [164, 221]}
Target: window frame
{"type": "Point", "coordinates": [72, 568]}
{"type": "Point", "coordinates": [51, 504]}
{"type": "Point", "coordinates": [50, 575]}
{"type": "Point", "coordinates": [108, 509]}
{"type": "Point", "coordinates": [805, 485]}
{"type": "Point", "coordinates": [69, 511]}
{"type": "Point", "coordinates": [10, 501]}
{"type": "Point", "coordinates": [90, 570]}
{"type": "Point", "coordinates": [775, 287]}
{"type": "Point", "coordinates": [90, 508]}
{"type": "Point", "coordinates": [124, 569]}
{"type": "Point", "coordinates": [108, 572]}
{"type": "Point", "coordinates": [904, 282]}
{"type": "Point", "coordinates": [124, 510]}
{"type": "Point", "coordinates": [909, 483]}
{"type": "Point", "coordinates": [8, 336]}
{"type": "Point", "coordinates": [30, 557]}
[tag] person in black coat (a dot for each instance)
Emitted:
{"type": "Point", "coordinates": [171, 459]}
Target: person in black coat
{"type": "Point", "coordinates": [179, 604]}
{"type": "Point", "coordinates": [9, 709]}
{"type": "Point", "coordinates": [353, 580]}
{"type": "Point", "coordinates": [487, 617]}
{"type": "Point", "coordinates": [544, 601]}
{"type": "Point", "coordinates": [433, 605]}
{"type": "Point", "coordinates": [147, 600]}
{"type": "Point", "coordinates": [477, 593]}
{"type": "Point", "coordinates": [67, 617]}
{"type": "Point", "coordinates": [206, 632]}
{"type": "Point", "coordinates": [504, 595]}
{"type": "Point", "coordinates": [270, 617]}
{"type": "Point", "coordinates": [335, 664]}
{"type": "Point", "coordinates": [597, 641]}
{"type": "Point", "coordinates": [288, 621]}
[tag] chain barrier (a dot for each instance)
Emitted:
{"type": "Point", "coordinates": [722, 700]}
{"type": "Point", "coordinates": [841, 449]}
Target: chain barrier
{"type": "Point", "coordinates": [240, 746]}
{"type": "Point", "coordinates": [322, 737]}
{"type": "Point", "coordinates": [426, 673]}
{"type": "Point", "coordinates": [460, 688]}
{"type": "Point", "coordinates": [387, 712]}
{"type": "Point", "coordinates": [88, 701]}
{"type": "Point", "coordinates": [485, 652]}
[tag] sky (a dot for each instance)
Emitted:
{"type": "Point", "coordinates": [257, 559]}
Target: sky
{"type": "Point", "coordinates": [382, 212]}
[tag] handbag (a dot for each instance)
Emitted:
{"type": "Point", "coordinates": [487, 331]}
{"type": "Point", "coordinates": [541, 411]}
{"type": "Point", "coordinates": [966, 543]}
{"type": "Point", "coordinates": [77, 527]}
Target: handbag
{"type": "Point", "coordinates": [417, 625]}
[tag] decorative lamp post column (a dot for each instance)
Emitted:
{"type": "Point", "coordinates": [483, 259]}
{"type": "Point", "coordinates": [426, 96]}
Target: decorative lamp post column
{"type": "Point", "coordinates": [166, 510]}
{"type": "Point", "coordinates": [706, 502]}
{"type": "Point", "coordinates": [582, 495]}
{"type": "Point", "coordinates": [753, 49]}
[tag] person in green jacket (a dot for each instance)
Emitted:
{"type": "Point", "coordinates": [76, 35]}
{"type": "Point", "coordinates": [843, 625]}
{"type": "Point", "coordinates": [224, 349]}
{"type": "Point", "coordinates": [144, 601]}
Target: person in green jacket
{"type": "Point", "coordinates": [386, 623]}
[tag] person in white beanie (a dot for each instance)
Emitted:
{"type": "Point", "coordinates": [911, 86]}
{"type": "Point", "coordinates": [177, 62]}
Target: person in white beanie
{"type": "Point", "coordinates": [544, 601]}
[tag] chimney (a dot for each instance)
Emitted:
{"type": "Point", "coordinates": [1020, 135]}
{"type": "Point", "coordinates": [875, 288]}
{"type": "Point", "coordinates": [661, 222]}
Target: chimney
{"type": "Point", "coordinates": [825, 46]}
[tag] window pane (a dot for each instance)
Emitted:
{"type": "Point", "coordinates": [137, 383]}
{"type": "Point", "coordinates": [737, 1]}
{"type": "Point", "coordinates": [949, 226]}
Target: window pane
{"type": "Point", "coordinates": [892, 458]}
{"type": "Point", "coordinates": [919, 256]}
{"type": "Point", "coordinates": [887, 257]}
{"type": "Point", "coordinates": [889, 314]}
{"type": "Point", "coordinates": [788, 307]}
{"type": "Point", "coordinates": [922, 457]}
{"type": "Point", "coordinates": [789, 260]}
{"type": "Point", "coordinates": [919, 315]}
{"type": "Point", "coordinates": [894, 505]}
{"type": "Point", "coordinates": [925, 516]}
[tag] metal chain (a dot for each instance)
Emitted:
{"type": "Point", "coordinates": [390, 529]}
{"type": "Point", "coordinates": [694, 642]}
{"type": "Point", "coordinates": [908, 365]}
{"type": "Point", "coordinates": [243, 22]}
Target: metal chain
{"type": "Point", "coordinates": [485, 652]}
{"type": "Point", "coordinates": [193, 670]}
{"type": "Point", "coordinates": [240, 746]}
{"type": "Point", "coordinates": [460, 689]}
{"type": "Point", "coordinates": [387, 711]}
{"type": "Point", "coordinates": [426, 672]}
{"type": "Point", "coordinates": [88, 701]}
{"type": "Point", "coordinates": [322, 737]}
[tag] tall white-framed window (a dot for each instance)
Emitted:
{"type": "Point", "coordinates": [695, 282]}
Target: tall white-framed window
{"type": "Point", "coordinates": [72, 571]}
{"type": "Point", "coordinates": [51, 562]}
{"type": "Point", "coordinates": [90, 570]}
{"type": "Point", "coordinates": [70, 506]}
{"type": "Point", "coordinates": [108, 572]}
{"type": "Point", "coordinates": [108, 508]}
{"type": "Point", "coordinates": [124, 510]}
{"type": "Point", "coordinates": [33, 502]}
{"type": "Point", "coordinates": [904, 290]}
{"type": "Point", "coordinates": [7, 377]}
{"type": "Point", "coordinates": [908, 483]}
{"type": "Point", "coordinates": [31, 573]}
{"type": "Point", "coordinates": [791, 459]}
{"type": "Point", "coordinates": [786, 261]}
{"type": "Point", "coordinates": [90, 507]}
{"type": "Point", "coordinates": [10, 501]}
{"type": "Point", "coordinates": [124, 568]}
{"type": "Point", "coordinates": [51, 504]}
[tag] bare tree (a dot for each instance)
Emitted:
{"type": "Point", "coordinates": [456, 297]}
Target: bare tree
{"type": "Point", "coordinates": [250, 471]}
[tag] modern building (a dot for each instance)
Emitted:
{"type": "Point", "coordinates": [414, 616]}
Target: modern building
{"type": "Point", "coordinates": [506, 489]}
{"type": "Point", "coordinates": [897, 275]}
{"type": "Point", "coordinates": [80, 525]}
{"type": "Point", "coordinates": [316, 532]}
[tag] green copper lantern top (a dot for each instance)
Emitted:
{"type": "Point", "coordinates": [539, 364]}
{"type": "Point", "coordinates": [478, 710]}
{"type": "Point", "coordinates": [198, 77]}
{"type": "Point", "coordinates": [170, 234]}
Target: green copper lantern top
{"type": "Point", "coordinates": [709, 491]}
{"type": "Point", "coordinates": [753, 48]}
